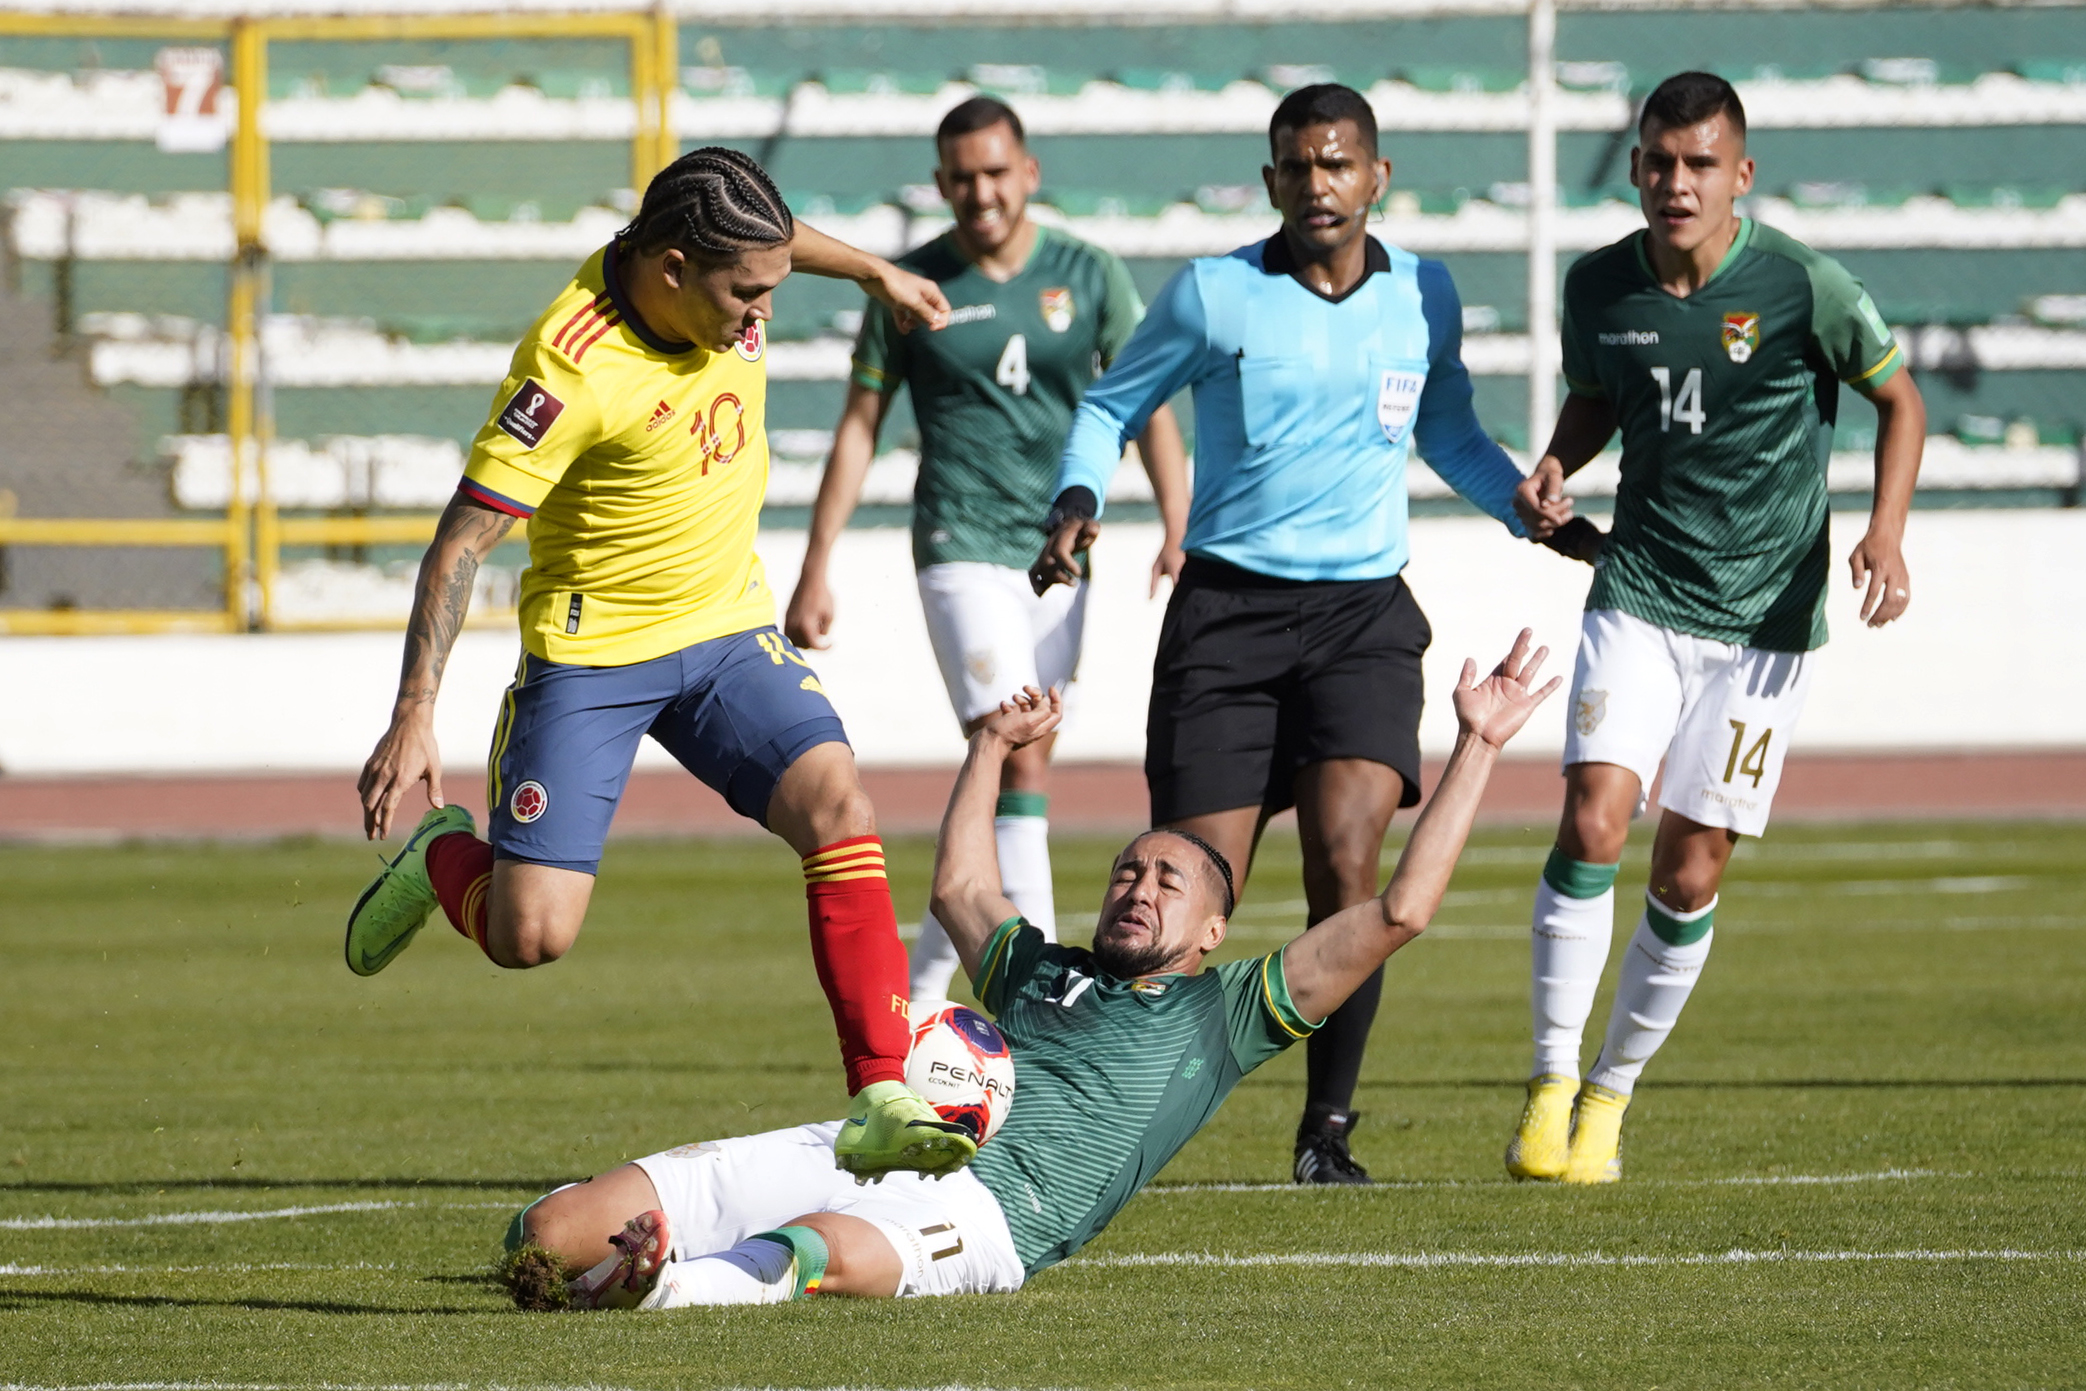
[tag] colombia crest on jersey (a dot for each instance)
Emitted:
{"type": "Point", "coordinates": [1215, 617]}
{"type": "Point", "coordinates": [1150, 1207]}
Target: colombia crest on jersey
{"type": "Point", "coordinates": [641, 464]}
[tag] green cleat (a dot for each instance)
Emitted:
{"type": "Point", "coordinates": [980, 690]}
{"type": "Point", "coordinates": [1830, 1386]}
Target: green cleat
{"type": "Point", "coordinates": [397, 903]}
{"type": "Point", "coordinates": [891, 1128]}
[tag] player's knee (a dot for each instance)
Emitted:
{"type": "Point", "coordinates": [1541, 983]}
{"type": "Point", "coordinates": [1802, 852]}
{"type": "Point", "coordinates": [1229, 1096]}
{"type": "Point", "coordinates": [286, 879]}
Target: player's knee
{"type": "Point", "coordinates": [1686, 886]}
{"type": "Point", "coordinates": [529, 940]}
{"type": "Point", "coordinates": [1594, 832]}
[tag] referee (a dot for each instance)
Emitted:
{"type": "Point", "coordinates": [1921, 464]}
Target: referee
{"type": "Point", "coordinates": [1288, 669]}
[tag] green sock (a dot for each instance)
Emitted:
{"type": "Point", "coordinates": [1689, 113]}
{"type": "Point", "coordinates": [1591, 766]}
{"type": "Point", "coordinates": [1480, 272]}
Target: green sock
{"type": "Point", "coordinates": [809, 1249]}
{"type": "Point", "coordinates": [1679, 929]}
{"type": "Point", "coordinates": [1577, 878]}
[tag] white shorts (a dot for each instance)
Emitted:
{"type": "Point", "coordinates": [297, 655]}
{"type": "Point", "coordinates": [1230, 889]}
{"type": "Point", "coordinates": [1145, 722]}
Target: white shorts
{"type": "Point", "coordinates": [992, 635]}
{"type": "Point", "coordinates": [1719, 715]}
{"type": "Point", "coordinates": [949, 1233]}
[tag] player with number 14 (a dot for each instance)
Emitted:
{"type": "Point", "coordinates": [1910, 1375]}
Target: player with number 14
{"type": "Point", "coordinates": [1717, 347]}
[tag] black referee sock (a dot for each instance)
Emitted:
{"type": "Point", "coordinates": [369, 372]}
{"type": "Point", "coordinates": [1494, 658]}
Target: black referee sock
{"type": "Point", "coordinates": [1333, 1056]}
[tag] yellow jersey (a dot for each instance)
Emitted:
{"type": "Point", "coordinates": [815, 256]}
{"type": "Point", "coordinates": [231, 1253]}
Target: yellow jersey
{"type": "Point", "coordinates": [641, 464]}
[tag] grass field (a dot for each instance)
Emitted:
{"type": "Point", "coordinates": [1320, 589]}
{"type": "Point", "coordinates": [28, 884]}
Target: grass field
{"type": "Point", "coordinates": [225, 1161]}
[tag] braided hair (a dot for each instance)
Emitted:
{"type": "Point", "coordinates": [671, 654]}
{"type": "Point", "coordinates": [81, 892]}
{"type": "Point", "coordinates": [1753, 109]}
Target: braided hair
{"type": "Point", "coordinates": [710, 204]}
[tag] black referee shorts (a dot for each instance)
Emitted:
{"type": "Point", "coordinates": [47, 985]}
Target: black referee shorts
{"type": "Point", "coordinates": [1256, 677]}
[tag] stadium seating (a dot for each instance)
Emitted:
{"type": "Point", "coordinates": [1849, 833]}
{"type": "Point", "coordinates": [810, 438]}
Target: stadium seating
{"type": "Point", "coordinates": [431, 196]}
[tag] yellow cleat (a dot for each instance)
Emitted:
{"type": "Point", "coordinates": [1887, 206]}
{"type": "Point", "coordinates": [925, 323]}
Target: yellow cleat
{"type": "Point", "coordinates": [1543, 1140]}
{"type": "Point", "coordinates": [1596, 1136]}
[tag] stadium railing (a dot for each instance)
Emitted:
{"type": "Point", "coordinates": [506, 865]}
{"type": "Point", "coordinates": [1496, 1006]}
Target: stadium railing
{"type": "Point", "coordinates": [251, 533]}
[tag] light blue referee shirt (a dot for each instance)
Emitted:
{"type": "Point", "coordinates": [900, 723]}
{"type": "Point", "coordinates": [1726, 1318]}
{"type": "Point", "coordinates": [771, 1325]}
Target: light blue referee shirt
{"type": "Point", "coordinates": [1305, 410]}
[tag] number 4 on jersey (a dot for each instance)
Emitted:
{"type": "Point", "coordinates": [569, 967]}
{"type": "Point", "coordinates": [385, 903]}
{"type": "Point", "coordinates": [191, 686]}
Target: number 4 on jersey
{"type": "Point", "coordinates": [1013, 371]}
{"type": "Point", "coordinates": [1687, 407]}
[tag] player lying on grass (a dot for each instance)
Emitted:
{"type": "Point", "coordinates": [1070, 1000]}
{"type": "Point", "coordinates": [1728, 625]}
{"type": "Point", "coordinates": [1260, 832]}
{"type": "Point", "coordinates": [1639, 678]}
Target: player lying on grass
{"type": "Point", "coordinates": [1121, 1054]}
{"type": "Point", "coordinates": [630, 435]}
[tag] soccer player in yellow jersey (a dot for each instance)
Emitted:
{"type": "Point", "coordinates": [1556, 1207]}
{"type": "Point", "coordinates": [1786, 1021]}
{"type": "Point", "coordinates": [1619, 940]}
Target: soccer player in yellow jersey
{"type": "Point", "coordinates": [630, 433]}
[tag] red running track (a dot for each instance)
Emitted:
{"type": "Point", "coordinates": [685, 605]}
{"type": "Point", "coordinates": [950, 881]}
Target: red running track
{"type": "Point", "coordinates": [1092, 796]}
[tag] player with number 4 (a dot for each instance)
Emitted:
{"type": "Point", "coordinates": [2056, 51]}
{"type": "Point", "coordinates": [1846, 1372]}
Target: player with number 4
{"type": "Point", "coordinates": [1717, 347]}
{"type": "Point", "coordinates": [1036, 316]}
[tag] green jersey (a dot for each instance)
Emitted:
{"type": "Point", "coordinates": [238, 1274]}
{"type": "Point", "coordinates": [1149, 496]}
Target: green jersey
{"type": "Point", "coordinates": [1142, 1063]}
{"type": "Point", "coordinates": [994, 391]}
{"type": "Point", "coordinates": [1726, 401]}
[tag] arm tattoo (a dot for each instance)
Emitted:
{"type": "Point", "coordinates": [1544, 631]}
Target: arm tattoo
{"type": "Point", "coordinates": [442, 596]}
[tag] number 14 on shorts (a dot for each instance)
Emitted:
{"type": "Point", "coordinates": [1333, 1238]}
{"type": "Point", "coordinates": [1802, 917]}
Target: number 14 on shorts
{"type": "Point", "coordinates": [1747, 761]}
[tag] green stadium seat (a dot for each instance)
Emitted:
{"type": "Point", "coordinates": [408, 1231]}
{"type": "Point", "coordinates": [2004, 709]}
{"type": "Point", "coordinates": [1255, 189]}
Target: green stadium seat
{"type": "Point", "coordinates": [2004, 196]}
{"type": "Point", "coordinates": [1027, 79]}
{"type": "Point", "coordinates": [1087, 202]}
{"type": "Point", "coordinates": [570, 85]}
{"type": "Point", "coordinates": [719, 81]}
{"type": "Point", "coordinates": [826, 205]}
{"type": "Point", "coordinates": [2067, 70]}
{"type": "Point", "coordinates": [1593, 76]}
{"type": "Point", "coordinates": [1173, 80]}
{"type": "Point", "coordinates": [1457, 78]}
{"type": "Point", "coordinates": [872, 82]}
{"type": "Point", "coordinates": [422, 80]}
{"type": "Point", "coordinates": [289, 85]}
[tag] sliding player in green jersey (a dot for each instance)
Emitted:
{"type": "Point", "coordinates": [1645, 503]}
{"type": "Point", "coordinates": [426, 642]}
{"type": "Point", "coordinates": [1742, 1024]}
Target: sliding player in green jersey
{"type": "Point", "coordinates": [1036, 316]}
{"type": "Point", "coordinates": [1717, 347]}
{"type": "Point", "coordinates": [1134, 1032]}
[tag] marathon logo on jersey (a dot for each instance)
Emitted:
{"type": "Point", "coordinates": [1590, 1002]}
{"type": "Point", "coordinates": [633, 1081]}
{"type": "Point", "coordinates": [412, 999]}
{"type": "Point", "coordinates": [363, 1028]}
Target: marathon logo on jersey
{"type": "Point", "coordinates": [529, 802]}
{"type": "Point", "coordinates": [529, 413]}
{"type": "Point", "coordinates": [972, 314]}
{"type": "Point", "coordinates": [1741, 335]}
{"type": "Point", "coordinates": [1629, 338]}
{"type": "Point", "coordinates": [750, 344]}
{"type": "Point", "coordinates": [1397, 398]}
{"type": "Point", "coordinates": [661, 413]}
{"type": "Point", "coordinates": [1058, 308]}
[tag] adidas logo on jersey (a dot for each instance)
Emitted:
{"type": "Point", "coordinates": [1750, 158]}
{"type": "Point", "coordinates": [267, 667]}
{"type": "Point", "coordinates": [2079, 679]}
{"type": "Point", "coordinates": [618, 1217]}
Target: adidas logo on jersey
{"type": "Point", "coordinates": [661, 413]}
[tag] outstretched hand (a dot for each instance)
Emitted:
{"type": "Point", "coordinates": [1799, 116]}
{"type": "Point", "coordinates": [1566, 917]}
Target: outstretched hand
{"type": "Point", "coordinates": [1540, 501]}
{"type": "Point", "coordinates": [1025, 717]}
{"type": "Point", "coordinates": [914, 299]}
{"type": "Point", "coordinates": [1495, 708]}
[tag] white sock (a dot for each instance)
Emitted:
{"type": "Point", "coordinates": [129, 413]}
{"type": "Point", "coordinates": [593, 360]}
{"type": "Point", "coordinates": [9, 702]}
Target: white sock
{"type": "Point", "coordinates": [1023, 841]}
{"type": "Point", "coordinates": [1574, 918]}
{"type": "Point", "coordinates": [1657, 976]}
{"type": "Point", "coordinates": [933, 962]}
{"type": "Point", "coordinates": [753, 1272]}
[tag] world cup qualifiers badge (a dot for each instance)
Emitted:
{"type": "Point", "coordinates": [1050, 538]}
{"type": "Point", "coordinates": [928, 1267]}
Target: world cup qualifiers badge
{"type": "Point", "coordinates": [1741, 335]}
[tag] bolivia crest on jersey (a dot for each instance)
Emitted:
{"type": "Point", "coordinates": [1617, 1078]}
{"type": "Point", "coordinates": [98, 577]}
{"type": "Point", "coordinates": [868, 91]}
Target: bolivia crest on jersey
{"type": "Point", "coordinates": [1056, 304]}
{"type": "Point", "coordinates": [1397, 397]}
{"type": "Point", "coordinates": [751, 342]}
{"type": "Point", "coordinates": [1741, 334]}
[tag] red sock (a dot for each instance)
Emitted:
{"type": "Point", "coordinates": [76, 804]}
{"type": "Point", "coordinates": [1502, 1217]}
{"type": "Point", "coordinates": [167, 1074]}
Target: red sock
{"type": "Point", "coordinates": [861, 964]}
{"type": "Point", "coordinates": [460, 866]}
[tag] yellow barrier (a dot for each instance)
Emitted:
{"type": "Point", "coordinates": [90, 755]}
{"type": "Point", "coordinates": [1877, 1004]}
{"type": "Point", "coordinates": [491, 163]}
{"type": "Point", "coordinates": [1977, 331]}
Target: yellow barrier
{"type": "Point", "coordinates": [252, 537]}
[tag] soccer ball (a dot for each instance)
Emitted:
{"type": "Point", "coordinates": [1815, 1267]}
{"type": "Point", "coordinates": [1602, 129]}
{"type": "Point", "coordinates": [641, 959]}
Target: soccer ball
{"type": "Point", "coordinates": [960, 1066]}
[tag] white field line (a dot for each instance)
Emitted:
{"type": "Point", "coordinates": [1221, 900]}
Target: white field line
{"type": "Point", "coordinates": [407, 1386]}
{"type": "Point", "coordinates": [1762, 1180]}
{"type": "Point", "coordinates": [228, 1267]}
{"type": "Point", "coordinates": [1434, 1260]}
{"type": "Point", "coordinates": [184, 1219]}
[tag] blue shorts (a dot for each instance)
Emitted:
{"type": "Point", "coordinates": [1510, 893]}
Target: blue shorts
{"type": "Point", "coordinates": [736, 711]}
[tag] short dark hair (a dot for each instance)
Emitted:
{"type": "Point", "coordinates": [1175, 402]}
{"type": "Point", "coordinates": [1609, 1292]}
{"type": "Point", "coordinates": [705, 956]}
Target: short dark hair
{"type": "Point", "coordinates": [1322, 104]}
{"type": "Point", "coordinates": [709, 204]}
{"type": "Point", "coordinates": [975, 114]}
{"type": "Point", "coordinates": [1690, 98]}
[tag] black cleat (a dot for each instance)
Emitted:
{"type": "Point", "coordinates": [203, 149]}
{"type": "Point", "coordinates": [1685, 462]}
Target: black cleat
{"type": "Point", "coordinates": [1322, 1154]}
